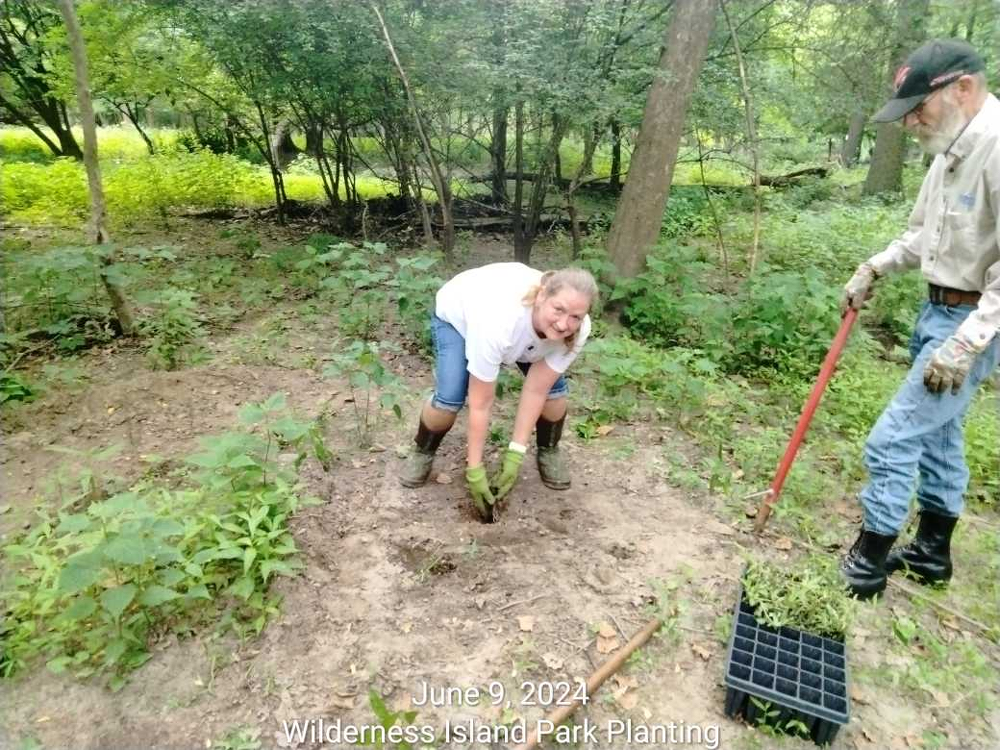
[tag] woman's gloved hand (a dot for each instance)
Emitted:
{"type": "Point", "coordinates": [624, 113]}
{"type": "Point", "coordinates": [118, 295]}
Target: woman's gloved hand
{"type": "Point", "coordinates": [510, 468]}
{"type": "Point", "coordinates": [479, 489]}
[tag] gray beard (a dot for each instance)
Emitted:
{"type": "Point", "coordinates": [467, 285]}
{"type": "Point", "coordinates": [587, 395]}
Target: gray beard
{"type": "Point", "coordinates": [938, 141]}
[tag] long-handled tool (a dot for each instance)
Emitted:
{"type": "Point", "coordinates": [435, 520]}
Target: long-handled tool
{"type": "Point", "coordinates": [825, 373]}
{"type": "Point", "coordinates": [608, 668]}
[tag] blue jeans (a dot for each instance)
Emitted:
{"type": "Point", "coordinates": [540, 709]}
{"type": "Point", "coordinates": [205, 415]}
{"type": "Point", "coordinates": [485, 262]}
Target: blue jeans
{"type": "Point", "coordinates": [920, 433]}
{"type": "Point", "coordinates": [451, 369]}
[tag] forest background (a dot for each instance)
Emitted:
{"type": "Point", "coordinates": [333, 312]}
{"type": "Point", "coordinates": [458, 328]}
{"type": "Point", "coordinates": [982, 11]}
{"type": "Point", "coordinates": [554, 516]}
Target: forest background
{"type": "Point", "coordinates": [285, 185]}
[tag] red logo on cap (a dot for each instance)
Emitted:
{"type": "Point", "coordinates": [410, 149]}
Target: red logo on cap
{"type": "Point", "coordinates": [901, 76]}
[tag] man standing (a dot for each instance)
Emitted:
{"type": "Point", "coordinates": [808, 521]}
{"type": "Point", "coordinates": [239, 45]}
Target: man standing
{"type": "Point", "coordinates": [941, 97]}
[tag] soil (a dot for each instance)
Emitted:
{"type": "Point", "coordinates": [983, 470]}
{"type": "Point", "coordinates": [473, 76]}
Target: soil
{"type": "Point", "coordinates": [405, 587]}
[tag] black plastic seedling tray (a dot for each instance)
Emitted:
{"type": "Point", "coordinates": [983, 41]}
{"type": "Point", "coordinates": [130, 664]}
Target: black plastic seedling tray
{"type": "Point", "coordinates": [802, 676]}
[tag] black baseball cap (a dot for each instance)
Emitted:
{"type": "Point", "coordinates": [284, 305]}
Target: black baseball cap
{"type": "Point", "coordinates": [937, 63]}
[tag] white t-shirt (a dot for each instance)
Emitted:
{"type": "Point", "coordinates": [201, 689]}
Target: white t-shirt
{"type": "Point", "coordinates": [486, 306]}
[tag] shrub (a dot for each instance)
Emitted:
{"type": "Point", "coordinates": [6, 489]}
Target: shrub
{"type": "Point", "coordinates": [90, 590]}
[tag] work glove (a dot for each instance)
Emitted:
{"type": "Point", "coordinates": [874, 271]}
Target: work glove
{"type": "Point", "coordinates": [479, 489]}
{"type": "Point", "coordinates": [511, 467]}
{"type": "Point", "coordinates": [858, 290]}
{"type": "Point", "coordinates": [950, 364]}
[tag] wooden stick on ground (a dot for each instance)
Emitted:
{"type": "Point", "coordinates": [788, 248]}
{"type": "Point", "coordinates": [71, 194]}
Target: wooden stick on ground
{"type": "Point", "coordinates": [598, 678]}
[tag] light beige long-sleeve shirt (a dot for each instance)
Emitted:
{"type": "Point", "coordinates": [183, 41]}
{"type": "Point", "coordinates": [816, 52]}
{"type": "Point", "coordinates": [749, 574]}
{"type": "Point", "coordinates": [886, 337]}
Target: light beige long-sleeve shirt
{"type": "Point", "coordinates": [953, 231]}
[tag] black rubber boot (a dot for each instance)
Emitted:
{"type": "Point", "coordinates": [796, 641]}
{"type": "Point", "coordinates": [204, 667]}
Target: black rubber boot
{"type": "Point", "coordinates": [864, 565]}
{"type": "Point", "coordinates": [551, 466]}
{"type": "Point", "coordinates": [928, 557]}
{"type": "Point", "coordinates": [418, 465]}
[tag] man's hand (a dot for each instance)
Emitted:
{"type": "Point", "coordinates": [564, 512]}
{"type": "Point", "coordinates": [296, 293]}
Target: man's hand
{"type": "Point", "coordinates": [511, 467]}
{"type": "Point", "coordinates": [949, 364]}
{"type": "Point", "coordinates": [479, 488]}
{"type": "Point", "coordinates": [858, 290]}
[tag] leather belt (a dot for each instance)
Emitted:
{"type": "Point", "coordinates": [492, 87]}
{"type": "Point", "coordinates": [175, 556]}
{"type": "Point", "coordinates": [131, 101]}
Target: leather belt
{"type": "Point", "coordinates": [942, 295]}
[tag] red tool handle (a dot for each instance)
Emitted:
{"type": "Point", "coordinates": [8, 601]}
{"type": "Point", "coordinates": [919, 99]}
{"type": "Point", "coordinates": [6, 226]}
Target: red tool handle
{"type": "Point", "coordinates": [825, 373]}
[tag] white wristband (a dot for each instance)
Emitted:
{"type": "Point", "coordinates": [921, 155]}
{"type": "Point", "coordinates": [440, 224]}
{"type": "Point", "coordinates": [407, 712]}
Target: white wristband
{"type": "Point", "coordinates": [517, 447]}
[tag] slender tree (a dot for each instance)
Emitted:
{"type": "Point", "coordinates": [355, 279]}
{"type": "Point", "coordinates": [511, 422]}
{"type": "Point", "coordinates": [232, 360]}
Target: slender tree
{"type": "Point", "coordinates": [640, 209]}
{"type": "Point", "coordinates": [98, 214]}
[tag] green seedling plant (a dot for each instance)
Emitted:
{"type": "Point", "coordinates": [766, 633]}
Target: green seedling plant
{"type": "Point", "coordinates": [414, 285]}
{"type": "Point", "coordinates": [770, 723]}
{"type": "Point", "coordinates": [90, 590]}
{"type": "Point", "coordinates": [808, 595]}
{"type": "Point", "coordinates": [13, 388]}
{"type": "Point", "coordinates": [374, 388]}
{"type": "Point", "coordinates": [386, 718]}
{"type": "Point", "coordinates": [174, 331]}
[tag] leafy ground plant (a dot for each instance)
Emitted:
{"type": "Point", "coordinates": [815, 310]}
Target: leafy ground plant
{"type": "Point", "coordinates": [174, 331]}
{"type": "Point", "coordinates": [374, 388]}
{"type": "Point", "coordinates": [807, 595]}
{"type": "Point", "coordinates": [90, 590]}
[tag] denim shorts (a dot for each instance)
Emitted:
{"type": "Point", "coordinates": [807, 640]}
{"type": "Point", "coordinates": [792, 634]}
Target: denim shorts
{"type": "Point", "coordinates": [451, 369]}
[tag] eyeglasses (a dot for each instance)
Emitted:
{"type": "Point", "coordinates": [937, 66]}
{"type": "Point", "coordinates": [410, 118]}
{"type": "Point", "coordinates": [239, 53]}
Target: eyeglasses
{"type": "Point", "coordinates": [920, 107]}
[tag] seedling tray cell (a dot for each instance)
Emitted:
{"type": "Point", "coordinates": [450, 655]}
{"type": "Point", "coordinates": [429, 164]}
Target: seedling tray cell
{"type": "Point", "coordinates": [804, 677]}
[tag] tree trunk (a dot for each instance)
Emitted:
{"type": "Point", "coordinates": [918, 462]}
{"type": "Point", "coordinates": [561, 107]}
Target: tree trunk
{"type": "Point", "coordinates": [98, 214]}
{"type": "Point", "coordinates": [264, 147]}
{"type": "Point", "coordinates": [539, 189]}
{"type": "Point", "coordinates": [851, 150]}
{"type": "Point", "coordinates": [590, 137]}
{"type": "Point", "coordinates": [133, 116]}
{"type": "Point", "coordinates": [283, 148]}
{"type": "Point", "coordinates": [521, 252]}
{"type": "Point", "coordinates": [751, 135]}
{"type": "Point", "coordinates": [615, 180]}
{"type": "Point", "coordinates": [441, 185]}
{"type": "Point", "coordinates": [67, 143]}
{"type": "Point", "coordinates": [637, 221]}
{"type": "Point", "coordinates": [498, 154]}
{"type": "Point", "coordinates": [885, 174]}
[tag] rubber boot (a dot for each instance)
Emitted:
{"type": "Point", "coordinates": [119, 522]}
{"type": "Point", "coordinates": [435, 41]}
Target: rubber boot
{"type": "Point", "coordinates": [928, 557]}
{"type": "Point", "coordinates": [418, 464]}
{"type": "Point", "coordinates": [551, 466]}
{"type": "Point", "coordinates": [863, 568]}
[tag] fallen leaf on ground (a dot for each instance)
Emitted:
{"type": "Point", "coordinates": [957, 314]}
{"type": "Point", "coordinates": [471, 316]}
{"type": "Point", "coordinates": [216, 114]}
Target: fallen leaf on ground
{"type": "Point", "coordinates": [443, 478]}
{"type": "Point", "coordinates": [606, 630]}
{"type": "Point", "coordinates": [552, 661]}
{"type": "Point", "coordinates": [606, 645]}
{"type": "Point", "coordinates": [624, 683]}
{"type": "Point", "coordinates": [526, 623]}
{"type": "Point", "coordinates": [701, 650]}
{"type": "Point", "coordinates": [628, 701]}
{"type": "Point", "coordinates": [948, 622]}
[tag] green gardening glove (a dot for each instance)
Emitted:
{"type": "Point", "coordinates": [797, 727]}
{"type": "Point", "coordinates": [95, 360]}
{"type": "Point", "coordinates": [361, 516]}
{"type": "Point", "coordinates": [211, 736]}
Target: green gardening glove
{"type": "Point", "coordinates": [479, 488]}
{"type": "Point", "coordinates": [511, 467]}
